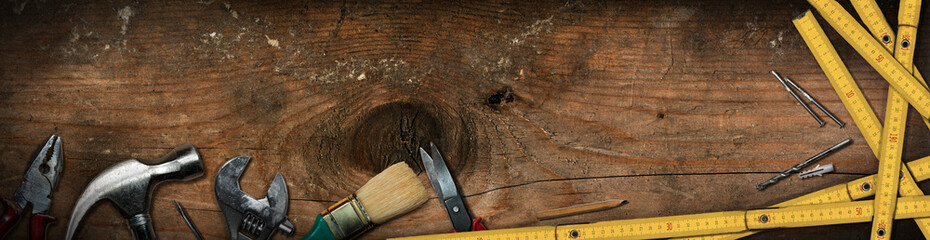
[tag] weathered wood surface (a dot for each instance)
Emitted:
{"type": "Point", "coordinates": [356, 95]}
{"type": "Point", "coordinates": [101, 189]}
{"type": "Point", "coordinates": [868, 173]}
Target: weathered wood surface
{"type": "Point", "coordinates": [666, 104]}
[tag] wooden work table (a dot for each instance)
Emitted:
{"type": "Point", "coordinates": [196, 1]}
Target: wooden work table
{"type": "Point", "coordinates": [667, 104]}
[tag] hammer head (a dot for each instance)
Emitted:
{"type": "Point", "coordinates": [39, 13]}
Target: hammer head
{"type": "Point", "coordinates": [128, 183]}
{"type": "Point", "coordinates": [247, 217]}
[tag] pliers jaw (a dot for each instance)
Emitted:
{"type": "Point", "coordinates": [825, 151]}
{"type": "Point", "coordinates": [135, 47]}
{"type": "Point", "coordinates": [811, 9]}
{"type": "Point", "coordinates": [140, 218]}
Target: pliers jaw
{"type": "Point", "coordinates": [41, 177]}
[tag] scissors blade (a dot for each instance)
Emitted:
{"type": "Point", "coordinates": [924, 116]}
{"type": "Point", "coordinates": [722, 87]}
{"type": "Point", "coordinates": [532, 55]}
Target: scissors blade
{"type": "Point", "coordinates": [448, 194]}
{"type": "Point", "coordinates": [41, 177]}
{"type": "Point", "coordinates": [443, 177]}
{"type": "Point", "coordinates": [430, 168]}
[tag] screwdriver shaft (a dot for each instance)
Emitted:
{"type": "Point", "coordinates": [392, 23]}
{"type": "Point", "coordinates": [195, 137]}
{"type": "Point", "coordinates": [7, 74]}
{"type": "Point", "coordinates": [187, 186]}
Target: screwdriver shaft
{"type": "Point", "coordinates": [188, 221]}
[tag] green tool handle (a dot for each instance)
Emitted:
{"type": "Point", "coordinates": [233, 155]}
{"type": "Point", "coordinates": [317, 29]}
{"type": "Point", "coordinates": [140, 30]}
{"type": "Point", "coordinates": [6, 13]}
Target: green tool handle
{"type": "Point", "coordinates": [320, 230]}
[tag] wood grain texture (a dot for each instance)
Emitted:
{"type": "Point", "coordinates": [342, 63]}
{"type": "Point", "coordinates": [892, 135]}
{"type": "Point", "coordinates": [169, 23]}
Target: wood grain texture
{"type": "Point", "coordinates": [667, 104]}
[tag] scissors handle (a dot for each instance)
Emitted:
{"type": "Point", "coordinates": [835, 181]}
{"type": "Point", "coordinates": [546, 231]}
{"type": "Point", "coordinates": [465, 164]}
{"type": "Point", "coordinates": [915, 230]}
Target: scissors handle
{"type": "Point", "coordinates": [10, 216]}
{"type": "Point", "coordinates": [475, 225]}
{"type": "Point", "coordinates": [461, 220]}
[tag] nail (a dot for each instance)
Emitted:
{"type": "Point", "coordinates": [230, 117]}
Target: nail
{"type": "Point", "coordinates": [808, 96]}
{"type": "Point", "coordinates": [798, 99]}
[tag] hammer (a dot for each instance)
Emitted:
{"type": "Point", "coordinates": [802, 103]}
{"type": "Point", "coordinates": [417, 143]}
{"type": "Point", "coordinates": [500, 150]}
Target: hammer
{"type": "Point", "coordinates": [129, 183]}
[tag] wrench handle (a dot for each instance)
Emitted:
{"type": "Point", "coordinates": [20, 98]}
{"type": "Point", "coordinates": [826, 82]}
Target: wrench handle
{"type": "Point", "coordinates": [37, 225]}
{"type": "Point", "coordinates": [141, 226]}
{"type": "Point", "coordinates": [10, 216]}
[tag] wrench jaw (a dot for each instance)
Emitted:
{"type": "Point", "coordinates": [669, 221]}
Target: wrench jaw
{"type": "Point", "coordinates": [247, 217]}
{"type": "Point", "coordinates": [277, 199]}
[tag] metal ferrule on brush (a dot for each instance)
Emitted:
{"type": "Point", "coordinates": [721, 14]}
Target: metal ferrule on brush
{"type": "Point", "coordinates": [347, 218]}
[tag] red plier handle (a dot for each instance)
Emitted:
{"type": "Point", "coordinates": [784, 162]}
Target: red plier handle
{"type": "Point", "coordinates": [475, 225]}
{"type": "Point", "coordinates": [11, 213]}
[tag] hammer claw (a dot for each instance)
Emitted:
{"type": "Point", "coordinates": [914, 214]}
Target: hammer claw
{"type": "Point", "coordinates": [129, 183]}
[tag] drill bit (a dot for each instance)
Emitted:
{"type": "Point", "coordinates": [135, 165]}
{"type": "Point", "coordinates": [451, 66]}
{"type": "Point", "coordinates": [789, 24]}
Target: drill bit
{"type": "Point", "coordinates": [803, 164]}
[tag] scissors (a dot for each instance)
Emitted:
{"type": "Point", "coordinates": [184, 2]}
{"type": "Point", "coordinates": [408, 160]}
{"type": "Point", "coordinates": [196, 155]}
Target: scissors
{"type": "Point", "coordinates": [448, 194]}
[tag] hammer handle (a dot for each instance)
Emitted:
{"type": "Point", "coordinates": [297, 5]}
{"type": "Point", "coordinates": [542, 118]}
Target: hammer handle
{"type": "Point", "coordinates": [10, 216]}
{"type": "Point", "coordinates": [37, 225]}
{"type": "Point", "coordinates": [141, 227]}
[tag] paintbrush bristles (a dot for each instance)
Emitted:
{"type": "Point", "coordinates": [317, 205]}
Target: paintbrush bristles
{"type": "Point", "coordinates": [393, 192]}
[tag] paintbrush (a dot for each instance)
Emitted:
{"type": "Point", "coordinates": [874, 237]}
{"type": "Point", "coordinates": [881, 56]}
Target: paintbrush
{"type": "Point", "coordinates": [393, 192]}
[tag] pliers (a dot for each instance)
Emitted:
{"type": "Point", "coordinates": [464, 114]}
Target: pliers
{"type": "Point", "coordinates": [40, 179]}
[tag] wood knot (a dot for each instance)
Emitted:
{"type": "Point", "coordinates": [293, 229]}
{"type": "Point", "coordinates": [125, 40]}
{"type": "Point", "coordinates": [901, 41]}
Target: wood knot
{"type": "Point", "coordinates": [502, 96]}
{"type": "Point", "coordinates": [394, 132]}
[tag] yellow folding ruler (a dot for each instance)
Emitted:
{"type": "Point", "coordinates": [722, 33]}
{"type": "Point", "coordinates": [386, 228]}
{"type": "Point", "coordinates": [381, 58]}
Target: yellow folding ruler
{"type": "Point", "coordinates": [853, 100]}
{"type": "Point", "coordinates": [736, 224]}
{"type": "Point", "coordinates": [728, 224]}
{"type": "Point", "coordinates": [853, 190]}
{"type": "Point", "coordinates": [892, 140]}
{"type": "Point", "coordinates": [701, 224]}
{"type": "Point", "coordinates": [873, 52]}
{"type": "Point", "coordinates": [874, 20]}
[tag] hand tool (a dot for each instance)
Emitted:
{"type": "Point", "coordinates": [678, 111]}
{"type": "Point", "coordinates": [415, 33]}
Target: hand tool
{"type": "Point", "coordinates": [876, 55]}
{"type": "Point", "coordinates": [803, 164]}
{"type": "Point", "coordinates": [704, 223]}
{"type": "Point", "coordinates": [128, 185]}
{"type": "Point", "coordinates": [578, 209]}
{"type": "Point", "coordinates": [902, 82]}
{"type": "Point", "coordinates": [814, 101]}
{"type": "Point", "coordinates": [782, 81]}
{"type": "Point", "coordinates": [817, 171]}
{"type": "Point", "coordinates": [40, 179]}
{"type": "Point", "coordinates": [840, 78]}
{"type": "Point", "coordinates": [861, 113]}
{"type": "Point", "coordinates": [441, 179]}
{"type": "Point", "coordinates": [873, 18]}
{"type": "Point", "coordinates": [700, 226]}
{"type": "Point", "coordinates": [895, 122]}
{"type": "Point", "coordinates": [188, 220]}
{"type": "Point", "coordinates": [896, 113]}
{"type": "Point", "coordinates": [393, 192]}
{"type": "Point", "coordinates": [875, 21]}
{"type": "Point", "coordinates": [247, 217]}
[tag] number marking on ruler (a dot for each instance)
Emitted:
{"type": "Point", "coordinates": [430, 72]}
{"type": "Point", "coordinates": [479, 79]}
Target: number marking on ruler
{"type": "Point", "coordinates": [910, 207]}
{"type": "Point", "coordinates": [660, 227]}
{"type": "Point", "coordinates": [835, 213]}
{"type": "Point", "coordinates": [702, 224]}
{"type": "Point", "coordinates": [840, 78]}
{"type": "Point", "coordinates": [874, 19]}
{"type": "Point", "coordinates": [921, 172]}
{"type": "Point", "coordinates": [526, 233]}
{"type": "Point", "coordinates": [710, 223]}
{"type": "Point", "coordinates": [879, 58]}
{"type": "Point", "coordinates": [895, 115]}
